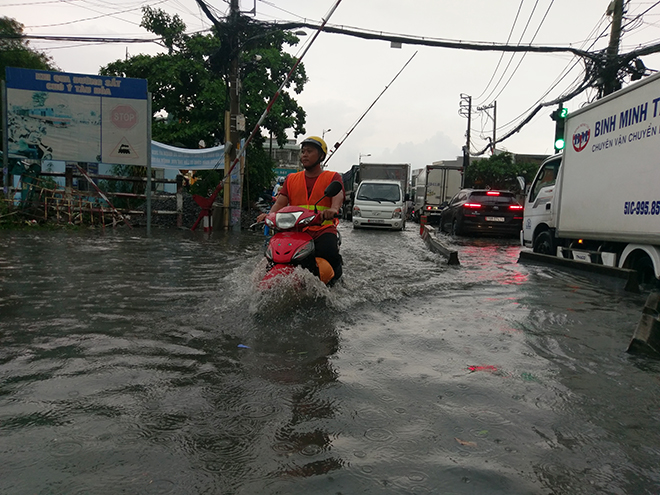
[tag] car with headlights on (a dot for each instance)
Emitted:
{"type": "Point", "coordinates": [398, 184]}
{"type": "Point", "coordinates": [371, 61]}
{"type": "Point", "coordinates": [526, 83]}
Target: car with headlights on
{"type": "Point", "coordinates": [482, 211]}
{"type": "Point", "coordinates": [380, 204]}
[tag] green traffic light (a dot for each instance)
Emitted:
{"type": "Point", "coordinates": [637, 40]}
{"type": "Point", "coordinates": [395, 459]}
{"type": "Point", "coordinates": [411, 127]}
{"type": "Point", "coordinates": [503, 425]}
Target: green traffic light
{"type": "Point", "coordinates": [563, 113]}
{"type": "Point", "coordinates": [559, 144]}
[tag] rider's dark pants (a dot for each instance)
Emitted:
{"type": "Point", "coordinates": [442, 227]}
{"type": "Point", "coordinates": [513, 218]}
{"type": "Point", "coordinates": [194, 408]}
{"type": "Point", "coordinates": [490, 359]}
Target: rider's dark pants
{"type": "Point", "coordinates": [327, 248]}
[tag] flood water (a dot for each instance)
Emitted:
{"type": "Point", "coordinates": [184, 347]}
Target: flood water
{"type": "Point", "coordinates": [155, 366]}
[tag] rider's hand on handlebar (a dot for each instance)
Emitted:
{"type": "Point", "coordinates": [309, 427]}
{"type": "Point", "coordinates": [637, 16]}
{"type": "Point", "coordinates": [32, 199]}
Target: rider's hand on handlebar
{"type": "Point", "coordinates": [262, 217]}
{"type": "Point", "coordinates": [328, 214]}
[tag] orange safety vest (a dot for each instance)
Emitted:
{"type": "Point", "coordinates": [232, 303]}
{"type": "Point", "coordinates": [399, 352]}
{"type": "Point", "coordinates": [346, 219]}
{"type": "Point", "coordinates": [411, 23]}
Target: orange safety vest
{"type": "Point", "coordinates": [297, 189]}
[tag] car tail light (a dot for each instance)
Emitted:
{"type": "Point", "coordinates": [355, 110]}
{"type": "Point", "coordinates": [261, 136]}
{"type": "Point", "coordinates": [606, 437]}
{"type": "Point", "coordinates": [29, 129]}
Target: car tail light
{"type": "Point", "coordinates": [515, 207]}
{"type": "Point", "coordinates": [428, 207]}
{"type": "Point", "coordinates": [472, 206]}
{"type": "Point", "coordinates": [492, 193]}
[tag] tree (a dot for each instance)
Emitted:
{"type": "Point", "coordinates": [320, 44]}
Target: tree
{"type": "Point", "coordinates": [16, 52]}
{"type": "Point", "coordinates": [499, 172]}
{"type": "Point", "coordinates": [190, 91]}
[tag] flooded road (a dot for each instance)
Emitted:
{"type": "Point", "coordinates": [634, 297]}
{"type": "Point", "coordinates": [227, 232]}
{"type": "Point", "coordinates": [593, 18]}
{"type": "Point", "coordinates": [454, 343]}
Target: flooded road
{"type": "Point", "coordinates": [154, 365]}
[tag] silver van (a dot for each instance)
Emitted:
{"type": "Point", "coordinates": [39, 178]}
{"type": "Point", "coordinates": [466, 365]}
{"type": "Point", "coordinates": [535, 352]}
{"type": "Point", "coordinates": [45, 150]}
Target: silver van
{"type": "Point", "coordinates": [379, 204]}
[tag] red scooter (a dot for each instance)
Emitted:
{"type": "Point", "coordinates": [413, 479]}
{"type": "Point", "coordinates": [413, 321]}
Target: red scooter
{"type": "Point", "coordinates": [291, 246]}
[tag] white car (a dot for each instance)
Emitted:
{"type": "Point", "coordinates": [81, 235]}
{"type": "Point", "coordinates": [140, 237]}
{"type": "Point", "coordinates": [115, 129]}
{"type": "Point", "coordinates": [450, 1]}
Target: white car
{"type": "Point", "coordinates": [379, 204]}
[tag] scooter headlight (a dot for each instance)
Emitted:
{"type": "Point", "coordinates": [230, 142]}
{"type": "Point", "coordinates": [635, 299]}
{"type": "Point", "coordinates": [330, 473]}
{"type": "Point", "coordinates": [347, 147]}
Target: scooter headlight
{"type": "Point", "coordinates": [304, 251]}
{"type": "Point", "coordinates": [285, 221]}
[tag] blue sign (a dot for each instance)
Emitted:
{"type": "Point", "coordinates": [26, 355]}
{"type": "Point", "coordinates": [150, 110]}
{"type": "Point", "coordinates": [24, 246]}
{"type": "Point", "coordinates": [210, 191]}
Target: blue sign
{"type": "Point", "coordinates": [76, 84]}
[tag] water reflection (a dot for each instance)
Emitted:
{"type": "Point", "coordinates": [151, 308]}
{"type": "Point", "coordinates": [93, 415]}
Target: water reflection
{"type": "Point", "coordinates": [155, 366]}
{"type": "Point", "coordinates": [294, 352]}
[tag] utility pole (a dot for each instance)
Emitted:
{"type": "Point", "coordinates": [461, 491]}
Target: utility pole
{"type": "Point", "coordinates": [494, 140]}
{"type": "Point", "coordinates": [494, 125]}
{"type": "Point", "coordinates": [232, 137]}
{"type": "Point", "coordinates": [465, 110]}
{"type": "Point", "coordinates": [611, 70]}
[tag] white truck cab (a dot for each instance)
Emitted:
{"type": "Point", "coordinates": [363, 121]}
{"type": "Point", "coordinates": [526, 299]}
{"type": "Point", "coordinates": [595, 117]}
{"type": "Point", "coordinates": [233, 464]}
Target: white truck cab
{"type": "Point", "coordinates": [379, 204]}
{"type": "Point", "coordinates": [539, 223]}
{"type": "Point", "coordinates": [598, 201]}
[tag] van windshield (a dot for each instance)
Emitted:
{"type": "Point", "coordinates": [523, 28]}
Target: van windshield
{"type": "Point", "coordinates": [379, 192]}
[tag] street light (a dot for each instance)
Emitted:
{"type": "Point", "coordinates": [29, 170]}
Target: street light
{"type": "Point", "coordinates": [324, 131]}
{"type": "Point", "coordinates": [361, 155]}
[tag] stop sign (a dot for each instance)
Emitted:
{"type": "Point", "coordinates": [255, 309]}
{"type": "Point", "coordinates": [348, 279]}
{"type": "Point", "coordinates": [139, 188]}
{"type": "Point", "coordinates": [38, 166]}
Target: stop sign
{"type": "Point", "coordinates": [124, 116]}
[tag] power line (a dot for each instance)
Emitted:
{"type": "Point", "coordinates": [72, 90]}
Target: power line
{"type": "Point", "coordinates": [109, 14]}
{"type": "Point", "coordinates": [639, 16]}
{"type": "Point", "coordinates": [586, 83]}
{"type": "Point", "coordinates": [434, 42]}
{"type": "Point", "coordinates": [271, 4]}
{"type": "Point", "coordinates": [512, 56]}
{"type": "Point", "coordinates": [91, 39]}
{"type": "Point", "coordinates": [502, 54]}
{"type": "Point", "coordinates": [524, 54]}
{"type": "Point", "coordinates": [566, 71]}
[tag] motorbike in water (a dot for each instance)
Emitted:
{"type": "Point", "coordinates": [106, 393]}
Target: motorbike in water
{"type": "Point", "coordinates": [291, 246]}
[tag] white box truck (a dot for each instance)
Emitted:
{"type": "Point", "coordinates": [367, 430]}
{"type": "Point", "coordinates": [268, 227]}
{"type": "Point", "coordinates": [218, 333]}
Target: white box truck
{"type": "Point", "coordinates": [599, 200]}
{"type": "Point", "coordinates": [435, 185]}
{"type": "Point", "coordinates": [399, 172]}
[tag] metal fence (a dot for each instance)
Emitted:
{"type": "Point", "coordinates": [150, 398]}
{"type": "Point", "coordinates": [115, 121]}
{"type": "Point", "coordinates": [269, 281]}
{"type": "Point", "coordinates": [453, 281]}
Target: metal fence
{"type": "Point", "coordinates": [43, 198]}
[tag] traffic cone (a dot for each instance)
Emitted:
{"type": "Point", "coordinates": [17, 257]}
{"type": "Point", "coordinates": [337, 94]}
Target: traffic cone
{"type": "Point", "coordinates": [423, 220]}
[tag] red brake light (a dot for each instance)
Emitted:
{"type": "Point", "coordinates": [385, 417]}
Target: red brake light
{"type": "Point", "coordinates": [428, 207]}
{"type": "Point", "coordinates": [515, 207]}
{"type": "Point", "coordinates": [492, 193]}
{"type": "Point", "coordinates": [472, 205]}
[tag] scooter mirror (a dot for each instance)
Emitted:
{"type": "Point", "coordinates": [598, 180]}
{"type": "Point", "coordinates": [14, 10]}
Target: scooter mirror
{"type": "Point", "coordinates": [333, 189]}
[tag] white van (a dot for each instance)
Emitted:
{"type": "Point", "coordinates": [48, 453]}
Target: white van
{"type": "Point", "coordinates": [380, 204]}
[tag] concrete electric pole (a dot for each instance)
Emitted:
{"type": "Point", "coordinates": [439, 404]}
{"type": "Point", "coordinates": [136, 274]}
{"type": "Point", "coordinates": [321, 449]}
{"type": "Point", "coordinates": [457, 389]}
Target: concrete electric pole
{"type": "Point", "coordinates": [232, 138]}
{"type": "Point", "coordinates": [494, 140]}
{"type": "Point", "coordinates": [465, 110]}
{"type": "Point", "coordinates": [611, 70]}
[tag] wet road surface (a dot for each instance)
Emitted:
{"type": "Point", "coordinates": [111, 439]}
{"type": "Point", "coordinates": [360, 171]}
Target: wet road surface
{"type": "Point", "coordinates": [135, 365]}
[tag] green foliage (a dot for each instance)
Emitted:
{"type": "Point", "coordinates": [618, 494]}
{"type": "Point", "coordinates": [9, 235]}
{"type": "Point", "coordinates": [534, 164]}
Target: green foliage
{"type": "Point", "coordinates": [206, 182]}
{"type": "Point", "coordinates": [260, 168]}
{"type": "Point", "coordinates": [499, 172]}
{"type": "Point", "coordinates": [190, 91]}
{"type": "Point", "coordinates": [16, 51]}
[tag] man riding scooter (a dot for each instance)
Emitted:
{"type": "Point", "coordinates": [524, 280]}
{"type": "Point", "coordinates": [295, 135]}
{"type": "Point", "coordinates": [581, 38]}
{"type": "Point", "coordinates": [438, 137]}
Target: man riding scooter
{"type": "Point", "coordinates": [305, 189]}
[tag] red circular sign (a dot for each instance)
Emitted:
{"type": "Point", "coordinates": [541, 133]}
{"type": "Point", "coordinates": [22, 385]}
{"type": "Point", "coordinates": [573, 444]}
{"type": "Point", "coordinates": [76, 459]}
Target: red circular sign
{"type": "Point", "coordinates": [124, 116]}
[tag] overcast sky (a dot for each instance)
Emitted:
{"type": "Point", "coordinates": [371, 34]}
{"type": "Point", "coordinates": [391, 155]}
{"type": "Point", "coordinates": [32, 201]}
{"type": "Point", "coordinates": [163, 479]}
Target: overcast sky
{"type": "Point", "coordinates": [416, 120]}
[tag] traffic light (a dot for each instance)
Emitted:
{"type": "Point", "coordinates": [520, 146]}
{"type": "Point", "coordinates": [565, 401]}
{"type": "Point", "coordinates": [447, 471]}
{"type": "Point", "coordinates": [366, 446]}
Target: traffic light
{"type": "Point", "coordinates": [559, 116]}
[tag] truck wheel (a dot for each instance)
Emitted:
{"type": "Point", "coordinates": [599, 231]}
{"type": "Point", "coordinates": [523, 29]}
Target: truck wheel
{"type": "Point", "coordinates": [544, 243]}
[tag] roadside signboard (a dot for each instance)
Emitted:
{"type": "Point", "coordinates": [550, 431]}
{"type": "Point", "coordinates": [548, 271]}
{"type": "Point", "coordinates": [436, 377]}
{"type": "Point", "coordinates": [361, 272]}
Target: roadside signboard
{"type": "Point", "coordinates": [77, 117]}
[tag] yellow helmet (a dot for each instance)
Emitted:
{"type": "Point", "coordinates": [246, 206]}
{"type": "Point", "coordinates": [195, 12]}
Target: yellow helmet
{"type": "Point", "coordinates": [318, 142]}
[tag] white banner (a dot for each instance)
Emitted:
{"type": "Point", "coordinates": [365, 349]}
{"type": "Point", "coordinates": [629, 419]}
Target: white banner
{"type": "Point", "coordinates": [171, 157]}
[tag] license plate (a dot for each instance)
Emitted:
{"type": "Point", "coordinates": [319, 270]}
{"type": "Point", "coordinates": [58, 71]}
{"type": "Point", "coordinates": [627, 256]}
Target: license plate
{"type": "Point", "coordinates": [375, 221]}
{"type": "Point", "coordinates": [494, 219]}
